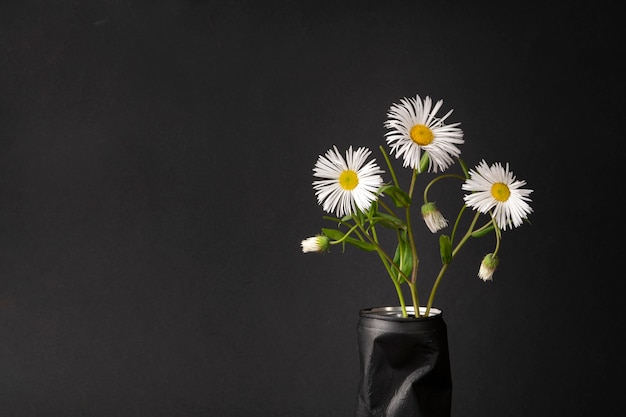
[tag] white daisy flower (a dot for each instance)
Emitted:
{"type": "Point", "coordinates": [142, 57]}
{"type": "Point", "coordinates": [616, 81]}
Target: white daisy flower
{"type": "Point", "coordinates": [495, 188]}
{"type": "Point", "coordinates": [347, 184]}
{"type": "Point", "coordinates": [415, 128]}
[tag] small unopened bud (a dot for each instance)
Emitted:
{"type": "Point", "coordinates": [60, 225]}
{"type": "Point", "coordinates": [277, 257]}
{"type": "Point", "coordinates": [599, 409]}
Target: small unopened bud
{"type": "Point", "coordinates": [433, 217]}
{"type": "Point", "coordinates": [488, 267]}
{"type": "Point", "coordinates": [319, 243]}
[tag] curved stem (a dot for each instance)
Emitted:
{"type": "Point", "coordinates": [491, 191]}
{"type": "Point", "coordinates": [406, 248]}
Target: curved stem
{"type": "Point", "coordinates": [444, 267]}
{"type": "Point", "coordinates": [434, 180]}
{"type": "Point", "coordinates": [498, 236]}
{"type": "Point", "coordinates": [345, 236]}
{"type": "Point", "coordinates": [457, 222]}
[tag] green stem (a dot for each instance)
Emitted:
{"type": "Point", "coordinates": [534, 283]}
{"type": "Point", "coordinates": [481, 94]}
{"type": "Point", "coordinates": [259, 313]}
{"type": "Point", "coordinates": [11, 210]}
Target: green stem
{"type": "Point", "coordinates": [390, 266]}
{"type": "Point", "coordinates": [413, 181]}
{"type": "Point", "coordinates": [413, 284]}
{"type": "Point", "coordinates": [391, 171]}
{"type": "Point", "coordinates": [457, 222]}
{"type": "Point", "coordinates": [498, 236]}
{"type": "Point", "coordinates": [416, 303]}
{"type": "Point", "coordinates": [401, 298]}
{"type": "Point", "coordinates": [431, 183]}
{"type": "Point", "coordinates": [387, 208]}
{"type": "Point", "coordinates": [345, 236]}
{"type": "Point", "coordinates": [442, 271]}
{"type": "Point", "coordinates": [444, 267]}
{"type": "Point", "coordinates": [489, 224]}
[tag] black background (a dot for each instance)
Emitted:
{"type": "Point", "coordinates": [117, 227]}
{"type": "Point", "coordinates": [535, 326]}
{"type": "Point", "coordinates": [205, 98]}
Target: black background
{"type": "Point", "coordinates": [155, 184]}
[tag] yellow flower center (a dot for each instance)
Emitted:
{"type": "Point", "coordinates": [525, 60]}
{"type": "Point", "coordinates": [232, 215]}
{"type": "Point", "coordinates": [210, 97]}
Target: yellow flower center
{"type": "Point", "coordinates": [422, 135]}
{"type": "Point", "coordinates": [348, 180]}
{"type": "Point", "coordinates": [500, 191]}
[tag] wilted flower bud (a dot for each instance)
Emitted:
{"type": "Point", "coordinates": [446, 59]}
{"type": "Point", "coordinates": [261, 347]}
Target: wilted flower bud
{"type": "Point", "coordinates": [488, 267]}
{"type": "Point", "coordinates": [319, 243]}
{"type": "Point", "coordinates": [433, 217]}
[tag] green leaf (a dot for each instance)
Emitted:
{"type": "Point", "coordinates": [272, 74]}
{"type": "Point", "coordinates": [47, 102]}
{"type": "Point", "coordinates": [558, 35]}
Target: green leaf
{"type": "Point", "coordinates": [360, 216]}
{"type": "Point", "coordinates": [389, 221]}
{"type": "Point", "coordinates": [445, 248]}
{"type": "Point", "coordinates": [403, 257]}
{"type": "Point", "coordinates": [361, 245]}
{"type": "Point", "coordinates": [483, 232]}
{"type": "Point", "coordinates": [373, 209]}
{"type": "Point", "coordinates": [424, 162]}
{"type": "Point", "coordinates": [399, 197]}
{"type": "Point", "coordinates": [334, 234]}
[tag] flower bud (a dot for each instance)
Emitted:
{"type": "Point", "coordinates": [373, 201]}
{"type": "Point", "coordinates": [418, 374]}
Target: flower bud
{"type": "Point", "coordinates": [488, 267]}
{"type": "Point", "coordinates": [433, 217]}
{"type": "Point", "coordinates": [318, 243]}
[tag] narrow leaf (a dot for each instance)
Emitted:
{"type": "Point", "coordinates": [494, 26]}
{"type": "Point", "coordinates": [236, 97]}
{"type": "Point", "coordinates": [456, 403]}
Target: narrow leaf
{"type": "Point", "coordinates": [400, 197]}
{"type": "Point", "coordinates": [483, 232]}
{"type": "Point", "coordinates": [388, 221]}
{"type": "Point", "coordinates": [424, 162]}
{"type": "Point", "coordinates": [361, 245]}
{"type": "Point", "coordinates": [334, 234]}
{"type": "Point", "coordinates": [445, 248]}
{"type": "Point", "coordinates": [403, 256]}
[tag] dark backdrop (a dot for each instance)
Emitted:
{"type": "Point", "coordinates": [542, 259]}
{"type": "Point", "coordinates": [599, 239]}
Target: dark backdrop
{"type": "Point", "coordinates": [155, 170]}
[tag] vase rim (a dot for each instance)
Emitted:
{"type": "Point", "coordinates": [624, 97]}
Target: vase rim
{"type": "Point", "coordinates": [395, 312]}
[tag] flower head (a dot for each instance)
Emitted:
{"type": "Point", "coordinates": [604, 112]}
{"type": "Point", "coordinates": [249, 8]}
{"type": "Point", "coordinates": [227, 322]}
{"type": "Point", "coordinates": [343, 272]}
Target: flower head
{"type": "Point", "coordinates": [433, 217]}
{"type": "Point", "coordinates": [495, 187]}
{"type": "Point", "coordinates": [414, 128]}
{"type": "Point", "coordinates": [347, 185]}
{"type": "Point", "coordinates": [488, 267]}
{"type": "Point", "coordinates": [319, 243]}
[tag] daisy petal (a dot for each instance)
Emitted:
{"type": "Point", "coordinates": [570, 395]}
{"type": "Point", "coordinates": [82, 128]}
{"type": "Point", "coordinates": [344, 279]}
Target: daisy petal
{"type": "Point", "coordinates": [346, 184]}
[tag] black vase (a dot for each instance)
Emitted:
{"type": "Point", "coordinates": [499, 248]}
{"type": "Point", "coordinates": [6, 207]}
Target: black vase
{"type": "Point", "coordinates": [404, 364]}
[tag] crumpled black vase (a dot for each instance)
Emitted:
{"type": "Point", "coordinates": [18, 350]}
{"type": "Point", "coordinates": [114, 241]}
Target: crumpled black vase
{"type": "Point", "coordinates": [404, 363]}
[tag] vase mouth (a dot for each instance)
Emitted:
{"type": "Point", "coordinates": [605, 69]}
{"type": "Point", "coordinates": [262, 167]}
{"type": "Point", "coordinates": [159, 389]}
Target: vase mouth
{"type": "Point", "coordinates": [396, 312]}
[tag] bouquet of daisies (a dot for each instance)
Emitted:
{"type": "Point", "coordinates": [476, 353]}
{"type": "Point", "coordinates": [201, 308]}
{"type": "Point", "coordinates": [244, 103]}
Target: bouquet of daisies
{"type": "Point", "coordinates": [361, 204]}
